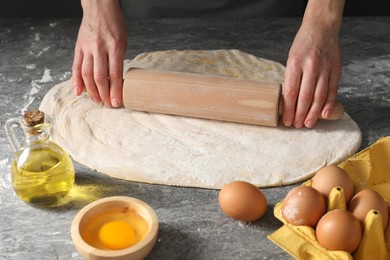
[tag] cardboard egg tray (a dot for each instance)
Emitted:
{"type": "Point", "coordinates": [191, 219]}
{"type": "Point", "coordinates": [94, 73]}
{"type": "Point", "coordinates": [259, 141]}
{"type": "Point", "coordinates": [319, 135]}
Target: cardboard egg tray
{"type": "Point", "coordinates": [369, 168]}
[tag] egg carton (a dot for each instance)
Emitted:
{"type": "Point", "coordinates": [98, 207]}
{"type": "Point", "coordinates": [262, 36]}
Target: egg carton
{"type": "Point", "coordinates": [369, 168]}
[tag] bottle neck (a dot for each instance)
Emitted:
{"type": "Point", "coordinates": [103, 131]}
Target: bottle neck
{"type": "Point", "coordinates": [38, 133]}
{"type": "Point", "coordinates": [31, 134]}
{"type": "Point", "coordinates": [37, 138]}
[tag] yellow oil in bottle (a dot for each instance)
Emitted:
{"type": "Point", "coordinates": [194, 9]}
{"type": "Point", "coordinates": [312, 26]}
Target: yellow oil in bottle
{"type": "Point", "coordinates": [42, 173]}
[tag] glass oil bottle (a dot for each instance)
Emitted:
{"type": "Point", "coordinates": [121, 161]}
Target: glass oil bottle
{"type": "Point", "coordinates": [42, 173]}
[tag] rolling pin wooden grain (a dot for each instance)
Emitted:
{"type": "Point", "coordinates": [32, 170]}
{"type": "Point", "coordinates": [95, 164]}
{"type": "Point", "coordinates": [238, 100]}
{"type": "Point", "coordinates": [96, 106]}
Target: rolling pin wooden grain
{"type": "Point", "coordinates": [205, 96]}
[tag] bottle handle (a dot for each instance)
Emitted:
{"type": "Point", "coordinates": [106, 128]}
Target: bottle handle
{"type": "Point", "coordinates": [10, 126]}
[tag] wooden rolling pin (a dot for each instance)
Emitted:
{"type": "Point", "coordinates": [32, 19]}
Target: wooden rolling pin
{"type": "Point", "coordinates": [205, 96]}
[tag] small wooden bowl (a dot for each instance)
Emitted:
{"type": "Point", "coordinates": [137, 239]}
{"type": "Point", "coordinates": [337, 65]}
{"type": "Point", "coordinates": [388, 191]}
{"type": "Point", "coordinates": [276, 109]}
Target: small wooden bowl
{"type": "Point", "coordinates": [137, 251]}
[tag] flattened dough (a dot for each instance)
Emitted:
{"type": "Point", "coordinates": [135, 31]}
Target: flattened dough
{"type": "Point", "coordinates": [173, 150]}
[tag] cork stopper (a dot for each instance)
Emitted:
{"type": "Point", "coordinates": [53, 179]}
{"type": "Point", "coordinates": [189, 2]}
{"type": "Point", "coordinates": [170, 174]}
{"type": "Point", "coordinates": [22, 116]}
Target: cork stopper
{"type": "Point", "coordinates": [34, 117]}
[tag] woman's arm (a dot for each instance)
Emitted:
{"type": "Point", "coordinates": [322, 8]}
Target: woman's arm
{"type": "Point", "coordinates": [314, 65]}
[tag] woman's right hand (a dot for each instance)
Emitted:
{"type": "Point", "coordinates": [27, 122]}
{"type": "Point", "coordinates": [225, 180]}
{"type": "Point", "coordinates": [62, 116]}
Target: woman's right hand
{"type": "Point", "coordinates": [99, 52]}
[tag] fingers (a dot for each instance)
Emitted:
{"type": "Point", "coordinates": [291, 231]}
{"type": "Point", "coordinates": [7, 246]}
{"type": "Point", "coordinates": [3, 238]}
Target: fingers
{"type": "Point", "coordinates": [115, 74]}
{"type": "Point", "coordinates": [318, 100]}
{"type": "Point", "coordinates": [77, 79]}
{"type": "Point", "coordinates": [88, 78]}
{"type": "Point", "coordinates": [310, 91]}
{"type": "Point", "coordinates": [101, 78]}
{"type": "Point", "coordinates": [291, 91]}
{"type": "Point", "coordinates": [332, 93]}
{"type": "Point", "coordinates": [305, 98]}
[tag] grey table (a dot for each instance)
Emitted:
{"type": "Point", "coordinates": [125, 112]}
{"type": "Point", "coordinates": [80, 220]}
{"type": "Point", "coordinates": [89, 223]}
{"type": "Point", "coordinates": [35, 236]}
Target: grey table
{"type": "Point", "coordinates": [37, 54]}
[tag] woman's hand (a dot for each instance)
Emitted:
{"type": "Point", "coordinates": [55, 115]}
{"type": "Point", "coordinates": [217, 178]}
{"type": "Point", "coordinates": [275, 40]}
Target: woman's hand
{"type": "Point", "coordinates": [99, 52]}
{"type": "Point", "coordinates": [314, 65]}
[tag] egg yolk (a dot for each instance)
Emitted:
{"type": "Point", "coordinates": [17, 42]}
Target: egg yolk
{"type": "Point", "coordinates": [117, 235]}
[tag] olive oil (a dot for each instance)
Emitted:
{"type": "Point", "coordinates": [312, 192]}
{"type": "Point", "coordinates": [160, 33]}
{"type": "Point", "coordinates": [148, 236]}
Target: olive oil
{"type": "Point", "coordinates": [42, 172]}
{"type": "Point", "coordinates": [42, 175]}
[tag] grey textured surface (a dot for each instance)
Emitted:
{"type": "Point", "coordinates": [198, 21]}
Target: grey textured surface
{"type": "Point", "coordinates": [37, 54]}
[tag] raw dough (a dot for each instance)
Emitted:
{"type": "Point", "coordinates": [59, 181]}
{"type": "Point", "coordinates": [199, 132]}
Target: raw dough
{"type": "Point", "coordinates": [181, 151]}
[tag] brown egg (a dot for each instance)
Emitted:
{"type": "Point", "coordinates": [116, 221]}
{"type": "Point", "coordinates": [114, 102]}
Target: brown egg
{"type": "Point", "coordinates": [303, 206]}
{"type": "Point", "coordinates": [367, 200]}
{"type": "Point", "coordinates": [332, 176]}
{"type": "Point", "coordinates": [242, 201]}
{"type": "Point", "coordinates": [339, 230]}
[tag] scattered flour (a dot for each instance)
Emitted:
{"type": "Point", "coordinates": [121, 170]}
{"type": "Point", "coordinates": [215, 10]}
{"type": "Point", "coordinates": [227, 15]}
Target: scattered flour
{"type": "Point", "coordinates": [3, 163]}
{"type": "Point", "coordinates": [5, 182]}
{"type": "Point", "coordinates": [39, 53]}
{"type": "Point", "coordinates": [66, 75]}
{"type": "Point", "coordinates": [46, 76]}
{"type": "Point", "coordinates": [35, 87]}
